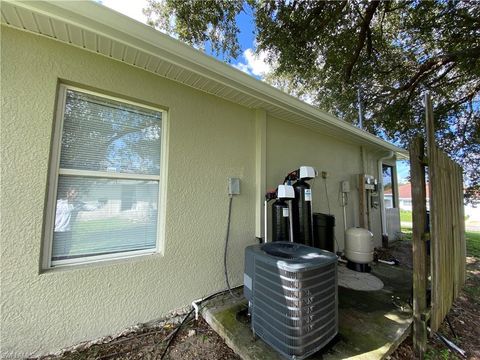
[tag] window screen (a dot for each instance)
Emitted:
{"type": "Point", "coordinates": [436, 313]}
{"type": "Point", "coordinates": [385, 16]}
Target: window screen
{"type": "Point", "coordinates": [108, 180]}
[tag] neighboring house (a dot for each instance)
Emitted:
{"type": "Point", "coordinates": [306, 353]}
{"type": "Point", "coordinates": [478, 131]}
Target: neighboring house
{"type": "Point", "coordinates": [404, 196]}
{"type": "Point", "coordinates": [472, 212]}
{"type": "Point", "coordinates": [117, 143]}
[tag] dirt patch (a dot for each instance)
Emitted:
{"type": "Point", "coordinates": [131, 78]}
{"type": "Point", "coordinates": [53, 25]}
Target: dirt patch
{"type": "Point", "coordinates": [196, 340]}
{"type": "Point", "coordinates": [400, 251]}
{"type": "Point", "coordinates": [204, 343]}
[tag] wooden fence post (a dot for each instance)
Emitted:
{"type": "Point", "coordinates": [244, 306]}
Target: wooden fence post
{"type": "Point", "coordinates": [420, 271]}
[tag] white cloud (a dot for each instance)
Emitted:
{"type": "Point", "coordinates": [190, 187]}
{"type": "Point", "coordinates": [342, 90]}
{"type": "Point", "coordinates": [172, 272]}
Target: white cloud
{"type": "Point", "coordinates": [254, 64]}
{"type": "Point", "coordinates": [242, 67]}
{"type": "Point", "coordinates": [131, 8]}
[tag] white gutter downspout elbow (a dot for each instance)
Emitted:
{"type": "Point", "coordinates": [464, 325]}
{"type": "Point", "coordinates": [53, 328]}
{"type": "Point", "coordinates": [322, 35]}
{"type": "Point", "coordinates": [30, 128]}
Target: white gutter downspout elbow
{"type": "Point", "coordinates": [381, 194]}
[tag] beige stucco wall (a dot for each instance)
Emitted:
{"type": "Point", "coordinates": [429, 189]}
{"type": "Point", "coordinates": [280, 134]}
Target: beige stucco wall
{"type": "Point", "coordinates": [290, 146]}
{"type": "Point", "coordinates": [209, 140]}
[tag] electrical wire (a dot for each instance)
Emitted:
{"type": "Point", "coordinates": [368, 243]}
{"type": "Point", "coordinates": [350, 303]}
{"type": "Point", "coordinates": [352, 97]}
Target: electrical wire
{"type": "Point", "coordinates": [326, 195]}
{"type": "Point", "coordinates": [336, 241]}
{"type": "Point", "coordinates": [329, 211]}
{"type": "Point", "coordinates": [175, 333]}
{"type": "Point", "coordinates": [186, 318]}
{"type": "Point", "coordinates": [229, 289]}
{"type": "Point", "coordinates": [227, 235]}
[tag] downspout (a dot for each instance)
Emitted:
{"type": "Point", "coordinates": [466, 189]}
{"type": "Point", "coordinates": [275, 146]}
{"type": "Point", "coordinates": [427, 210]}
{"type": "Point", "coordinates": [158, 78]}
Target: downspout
{"type": "Point", "coordinates": [380, 193]}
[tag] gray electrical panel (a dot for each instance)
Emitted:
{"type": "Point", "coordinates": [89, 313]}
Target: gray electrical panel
{"type": "Point", "coordinates": [293, 299]}
{"type": "Point", "coordinates": [233, 186]}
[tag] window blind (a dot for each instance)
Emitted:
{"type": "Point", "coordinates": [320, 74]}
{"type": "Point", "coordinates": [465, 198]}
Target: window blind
{"type": "Point", "coordinates": [106, 135]}
{"type": "Point", "coordinates": [108, 184]}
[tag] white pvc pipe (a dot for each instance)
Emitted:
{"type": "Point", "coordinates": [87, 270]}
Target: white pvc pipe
{"type": "Point", "coordinates": [265, 221]}
{"type": "Point", "coordinates": [195, 306]}
{"type": "Point", "coordinates": [290, 219]}
{"type": "Point", "coordinates": [195, 303]}
{"type": "Point", "coordinates": [380, 192]}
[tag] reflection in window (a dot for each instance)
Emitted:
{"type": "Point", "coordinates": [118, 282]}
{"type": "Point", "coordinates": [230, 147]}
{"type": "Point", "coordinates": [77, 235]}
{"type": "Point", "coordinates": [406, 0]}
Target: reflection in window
{"type": "Point", "coordinates": [106, 135]}
{"type": "Point", "coordinates": [388, 187]}
{"type": "Point", "coordinates": [91, 218]}
{"type": "Point", "coordinates": [107, 192]}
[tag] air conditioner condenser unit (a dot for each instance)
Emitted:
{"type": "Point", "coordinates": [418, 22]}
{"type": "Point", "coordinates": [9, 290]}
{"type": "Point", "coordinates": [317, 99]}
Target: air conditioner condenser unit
{"type": "Point", "coordinates": [293, 299]}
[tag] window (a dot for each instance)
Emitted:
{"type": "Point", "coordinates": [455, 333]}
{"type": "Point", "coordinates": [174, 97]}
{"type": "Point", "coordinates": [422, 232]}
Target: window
{"type": "Point", "coordinates": [105, 185]}
{"type": "Point", "coordinates": [388, 187]}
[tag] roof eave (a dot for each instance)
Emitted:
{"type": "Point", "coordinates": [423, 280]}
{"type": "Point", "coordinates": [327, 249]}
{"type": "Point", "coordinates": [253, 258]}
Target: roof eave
{"type": "Point", "coordinates": [106, 22]}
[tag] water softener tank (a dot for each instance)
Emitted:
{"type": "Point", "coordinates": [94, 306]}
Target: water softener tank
{"type": "Point", "coordinates": [323, 231]}
{"type": "Point", "coordinates": [359, 249]}
{"type": "Point", "coordinates": [280, 221]}
{"type": "Point", "coordinates": [302, 213]}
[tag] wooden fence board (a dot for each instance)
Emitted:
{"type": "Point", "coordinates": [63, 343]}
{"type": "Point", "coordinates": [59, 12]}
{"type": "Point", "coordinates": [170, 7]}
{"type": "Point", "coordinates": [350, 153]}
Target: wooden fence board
{"type": "Point", "coordinates": [447, 226]}
{"type": "Point", "coordinates": [452, 241]}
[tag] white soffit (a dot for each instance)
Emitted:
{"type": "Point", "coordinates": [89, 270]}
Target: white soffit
{"type": "Point", "coordinates": [94, 27]}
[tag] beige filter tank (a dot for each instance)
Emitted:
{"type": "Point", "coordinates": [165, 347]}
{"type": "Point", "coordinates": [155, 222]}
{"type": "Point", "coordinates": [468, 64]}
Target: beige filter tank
{"type": "Point", "coordinates": [359, 245]}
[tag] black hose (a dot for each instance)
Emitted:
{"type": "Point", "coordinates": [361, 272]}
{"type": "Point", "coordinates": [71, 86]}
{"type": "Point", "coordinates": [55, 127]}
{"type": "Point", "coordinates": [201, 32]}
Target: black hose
{"type": "Point", "coordinates": [175, 333]}
{"type": "Point", "coordinates": [185, 320]}
{"type": "Point", "coordinates": [227, 236]}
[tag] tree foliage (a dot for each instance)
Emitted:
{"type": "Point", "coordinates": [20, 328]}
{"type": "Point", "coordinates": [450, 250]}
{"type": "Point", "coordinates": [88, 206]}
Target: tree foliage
{"type": "Point", "coordinates": [393, 51]}
{"type": "Point", "coordinates": [106, 135]}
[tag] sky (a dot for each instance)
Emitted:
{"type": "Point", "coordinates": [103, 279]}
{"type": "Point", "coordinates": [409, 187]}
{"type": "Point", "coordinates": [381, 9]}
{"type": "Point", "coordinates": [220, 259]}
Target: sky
{"type": "Point", "coordinates": [248, 61]}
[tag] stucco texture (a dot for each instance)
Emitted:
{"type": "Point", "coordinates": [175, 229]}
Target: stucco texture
{"type": "Point", "coordinates": [209, 141]}
{"type": "Point", "coordinates": [290, 146]}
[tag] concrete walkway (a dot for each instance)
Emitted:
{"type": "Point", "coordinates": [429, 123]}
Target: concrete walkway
{"type": "Point", "coordinates": [371, 324]}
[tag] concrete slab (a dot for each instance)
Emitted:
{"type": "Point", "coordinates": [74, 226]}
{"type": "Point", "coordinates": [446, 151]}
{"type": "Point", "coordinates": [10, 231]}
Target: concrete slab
{"type": "Point", "coordinates": [371, 323]}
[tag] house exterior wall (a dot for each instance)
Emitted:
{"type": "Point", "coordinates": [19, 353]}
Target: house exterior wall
{"type": "Point", "coordinates": [209, 140]}
{"type": "Point", "coordinates": [290, 146]}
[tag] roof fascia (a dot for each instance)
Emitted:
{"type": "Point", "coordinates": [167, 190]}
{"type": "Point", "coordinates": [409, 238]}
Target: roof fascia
{"type": "Point", "coordinates": [106, 22]}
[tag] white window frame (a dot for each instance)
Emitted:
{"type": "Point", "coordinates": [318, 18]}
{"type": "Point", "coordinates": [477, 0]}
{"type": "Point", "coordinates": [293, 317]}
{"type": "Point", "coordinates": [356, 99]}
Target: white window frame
{"type": "Point", "coordinates": [56, 172]}
{"type": "Point", "coordinates": [393, 176]}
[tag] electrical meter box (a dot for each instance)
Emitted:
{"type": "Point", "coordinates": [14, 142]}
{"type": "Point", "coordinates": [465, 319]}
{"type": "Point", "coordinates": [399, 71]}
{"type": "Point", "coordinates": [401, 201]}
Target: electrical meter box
{"type": "Point", "coordinates": [370, 182]}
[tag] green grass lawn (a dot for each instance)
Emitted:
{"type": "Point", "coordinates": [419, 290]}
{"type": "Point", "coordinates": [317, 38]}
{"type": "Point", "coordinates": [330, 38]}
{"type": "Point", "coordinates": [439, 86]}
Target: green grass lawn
{"type": "Point", "coordinates": [473, 243]}
{"type": "Point", "coordinates": [103, 224]}
{"type": "Point", "coordinates": [472, 239]}
{"type": "Point", "coordinates": [113, 234]}
{"type": "Point", "coordinates": [407, 233]}
{"type": "Point", "coordinates": [405, 216]}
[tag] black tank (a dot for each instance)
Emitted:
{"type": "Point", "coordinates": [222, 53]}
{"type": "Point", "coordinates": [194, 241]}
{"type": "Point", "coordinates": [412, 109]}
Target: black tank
{"type": "Point", "coordinates": [302, 214]}
{"type": "Point", "coordinates": [280, 221]}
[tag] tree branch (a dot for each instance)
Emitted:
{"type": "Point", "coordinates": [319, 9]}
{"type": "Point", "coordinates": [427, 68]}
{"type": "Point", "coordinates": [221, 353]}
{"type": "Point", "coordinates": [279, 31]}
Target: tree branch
{"type": "Point", "coordinates": [468, 97]}
{"type": "Point", "coordinates": [438, 61]}
{"type": "Point", "coordinates": [369, 42]}
{"type": "Point", "coordinates": [445, 73]}
{"type": "Point", "coordinates": [369, 12]}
